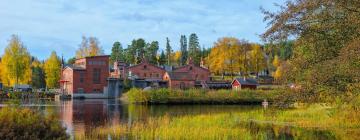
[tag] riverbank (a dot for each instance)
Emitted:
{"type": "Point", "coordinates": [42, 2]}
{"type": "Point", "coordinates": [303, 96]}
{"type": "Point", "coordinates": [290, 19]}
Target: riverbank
{"type": "Point", "coordinates": [200, 96]}
{"type": "Point", "coordinates": [314, 121]}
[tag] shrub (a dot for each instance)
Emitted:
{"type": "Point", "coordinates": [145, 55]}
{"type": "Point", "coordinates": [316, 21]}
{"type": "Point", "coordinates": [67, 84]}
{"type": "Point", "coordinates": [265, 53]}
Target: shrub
{"type": "Point", "coordinates": [17, 123]}
{"type": "Point", "coordinates": [200, 96]}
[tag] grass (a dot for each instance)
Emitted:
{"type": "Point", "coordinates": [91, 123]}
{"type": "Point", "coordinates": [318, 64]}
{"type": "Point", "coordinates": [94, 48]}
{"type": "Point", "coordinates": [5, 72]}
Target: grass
{"type": "Point", "coordinates": [200, 96]}
{"type": "Point", "coordinates": [308, 122]}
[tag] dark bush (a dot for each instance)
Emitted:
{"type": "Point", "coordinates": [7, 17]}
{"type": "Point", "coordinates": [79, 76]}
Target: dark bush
{"type": "Point", "coordinates": [25, 124]}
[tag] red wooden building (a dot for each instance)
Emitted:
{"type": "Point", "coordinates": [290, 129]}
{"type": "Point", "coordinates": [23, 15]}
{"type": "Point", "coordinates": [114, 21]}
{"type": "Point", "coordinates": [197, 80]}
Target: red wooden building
{"type": "Point", "coordinates": [243, 83]}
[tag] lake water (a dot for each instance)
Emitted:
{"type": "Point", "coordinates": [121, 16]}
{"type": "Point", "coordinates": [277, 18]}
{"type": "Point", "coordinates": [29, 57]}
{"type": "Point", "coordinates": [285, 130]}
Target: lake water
{"type": "Point", "coordinates": [81, 116]}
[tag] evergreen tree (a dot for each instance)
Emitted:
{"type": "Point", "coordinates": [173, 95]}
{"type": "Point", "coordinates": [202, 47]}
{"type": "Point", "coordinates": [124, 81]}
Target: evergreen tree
{"type": "Point", "coordinates": [71, 60]}
{"type": "Point", "coordinates": [151, 52]}
{"type": "Point", "coordinates": [140, 50]}
{"type": "Point", "coordinates": [116, 53]}
{"type": "Point", "coordinates": [194, 48]}
{"type": "Point", "coordinates": [168, 51]}
{"type": "Point", "coordinates": [162, 58]}
{"type": "Point", "coordinates": [183, 49]}
{"type": "Point", "coordinates": [38, 74]}
{"type": "Point", "coordinates": [130, 53]}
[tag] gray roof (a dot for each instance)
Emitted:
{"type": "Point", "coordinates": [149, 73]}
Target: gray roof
{"type": "Point", "coordinates": [247, 81]}
{"type": "Point", "coordinates": [183, 76]}
{"type": "Point", "coordinates": [74, 67]}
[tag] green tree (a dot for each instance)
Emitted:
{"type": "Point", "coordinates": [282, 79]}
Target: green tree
{"type": "Point", "coordinates": [38, 74]}
{"type": "Point", "coordinates": [130, 53]}
{"type": "Point", "coordinates": [140, 50]}
{"type": "Point", "coordinates": [89, 47]}
{"type": "Point", "coordinates": [194, 48]}
{"type": "Point", "coordinates": [162, 58]}
{"type": "Point", "coordinates": [151, 52]}
{"type": "Point", "coordinates": [71, 60]}
{"type": "Point", "coordinates": [15, 63]}
{"type": "Point", "coordinates": [116, 53]}
{"type": "Point", "coordinates": [168, 52]}
{"type": "Point", "coordinates": [52, 69]}
{"type": "Point", "coordinates": [183, 49]}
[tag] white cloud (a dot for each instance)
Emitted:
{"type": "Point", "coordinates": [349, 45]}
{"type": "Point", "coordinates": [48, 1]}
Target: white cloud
{"type": "Point", "coordinates": [46, 25]}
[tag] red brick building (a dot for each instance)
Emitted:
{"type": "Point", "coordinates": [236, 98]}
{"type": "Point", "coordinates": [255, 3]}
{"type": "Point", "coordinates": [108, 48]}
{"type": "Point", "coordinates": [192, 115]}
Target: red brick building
{"type": "Point", "coordinates": [144, 70]}
{"type": "Point", "coordinates": [87, 75]}
{"type": "Point", "coordinates": [188, 76]}
{"type": "Point", "coordinates": [181, 80]}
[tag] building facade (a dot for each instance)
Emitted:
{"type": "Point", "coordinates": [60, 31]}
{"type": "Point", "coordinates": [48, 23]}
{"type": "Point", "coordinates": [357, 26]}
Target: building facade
{"type": "Point", "coordinates": [143, 70]}
{"type": "Point", "coordinates": [244, 83]}
{"type": "Point", "coordinates": [87, 75]}
{"type": "Point", "coordinates": [188, 76]}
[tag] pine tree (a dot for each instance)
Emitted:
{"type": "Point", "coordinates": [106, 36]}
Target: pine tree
{"type": "Point", "coordinates": [183, 49]}
{"type": "Point", "coordinates": [168, 52]}
{"type": "Point", "coordinates": [194, 48]}
{"type": "Point", "coordinates": [116, 53]}
{"type": "Point", "coordinates": [38, 74]}
{"type": "Point", "coordinates": [162, 58]}
{"type": "Point", "coordinates": [151, 52]}
{"type": "Point", "coordinates": [140, 50]}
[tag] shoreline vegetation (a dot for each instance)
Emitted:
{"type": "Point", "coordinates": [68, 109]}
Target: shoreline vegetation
{"type": "Point", "coordinates": [23, 123]}
{"type": "Point", "coordinates": [200, 96]}
{"type": "Point", "coordinates": [314, 121]}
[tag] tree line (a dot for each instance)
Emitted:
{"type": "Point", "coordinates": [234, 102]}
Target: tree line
{"type": "Point", "coordinates": [228, 55]}
{"type": "Point", "coordinates": [139, 49]}
{"type": "Point", "coordinates": [17, 66]}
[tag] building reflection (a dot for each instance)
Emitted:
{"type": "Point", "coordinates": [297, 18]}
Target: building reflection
{"type": "Point", "coordinates": [82, 116]}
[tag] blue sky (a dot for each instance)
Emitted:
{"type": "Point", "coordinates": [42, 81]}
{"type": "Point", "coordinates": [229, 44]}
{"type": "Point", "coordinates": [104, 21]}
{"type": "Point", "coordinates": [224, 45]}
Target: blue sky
{"type": "Point", "coordinates": [47, 25]}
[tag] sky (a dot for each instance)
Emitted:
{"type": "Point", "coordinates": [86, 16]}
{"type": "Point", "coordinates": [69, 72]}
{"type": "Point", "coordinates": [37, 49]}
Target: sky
{"type": "Point", "coordinates": [58, 25]}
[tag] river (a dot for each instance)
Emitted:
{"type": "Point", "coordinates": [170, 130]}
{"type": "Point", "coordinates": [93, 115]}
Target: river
{"type": "Point", "coordinates": [82, 116]}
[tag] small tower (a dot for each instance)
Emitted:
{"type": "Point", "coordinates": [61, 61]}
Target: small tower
{"type": "Point", "coordinates": [120, 69]}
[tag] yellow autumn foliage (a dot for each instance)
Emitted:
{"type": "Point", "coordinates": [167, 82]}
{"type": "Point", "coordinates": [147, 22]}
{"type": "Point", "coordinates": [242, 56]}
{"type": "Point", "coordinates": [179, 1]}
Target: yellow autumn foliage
{"type": "Point", "coordinates": [52, 69]}
{"type": "Point", "coordinates": [15, 63]}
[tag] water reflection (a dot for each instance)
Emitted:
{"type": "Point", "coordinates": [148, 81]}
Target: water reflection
{"type": "Point", "coordinates": [82, 116]}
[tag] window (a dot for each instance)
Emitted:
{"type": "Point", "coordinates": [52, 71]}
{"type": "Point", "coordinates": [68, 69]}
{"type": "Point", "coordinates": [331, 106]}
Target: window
{"type": "Point", "coordinates": [145, 66]}
{"type": "Point", "coordinates": [190, 68]}
{"type": "Point", "coordinates": [96, 76]}
{"type": "Point", "coordinates": [96, 63]}
{"type": "Point", "coordinates": [157, 75]}
{"type": "Point", "coordinates": [182, 85]}
{"type": "Point", "coordinates": [96, 90]}
{"type": "Point", "coordinates": [150, 75]}
{"type": "Point", "coordinates": [144, 74]}
{"type": "Point", "coordinates": [80, 90]}
{"type": "Point", "coordinates": [82, 77]}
